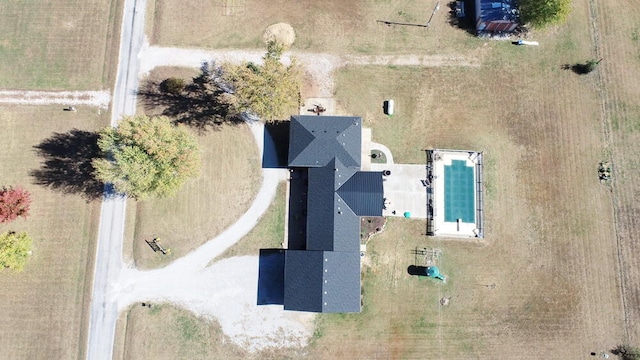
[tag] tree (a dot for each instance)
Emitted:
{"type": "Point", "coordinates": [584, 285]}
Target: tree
{"type": "Point", "coordinates": [591, 65]}
{"type": "Point", "coordinates": [627, 352]}
{"type": "Point", "coordinates": [13, 203]}
{"type": "Point", "coordinates": [147, 157]}
{"type": "Point", "coordinates": [582, 69]}
{"type": "Point", "coordinates": [270, 90]}
{"type": "Point", "coordinates": [541, 13]}
{"type": "Point", "coordinates": [14, 250]}
{"type": "Point", "coordinates": [173, 85]}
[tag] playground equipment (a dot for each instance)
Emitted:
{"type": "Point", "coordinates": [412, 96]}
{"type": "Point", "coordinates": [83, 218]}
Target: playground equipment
{"type": "Point", "coordinates": [428, 257]}
{"type": "Point", "coordinates": [434, 272]}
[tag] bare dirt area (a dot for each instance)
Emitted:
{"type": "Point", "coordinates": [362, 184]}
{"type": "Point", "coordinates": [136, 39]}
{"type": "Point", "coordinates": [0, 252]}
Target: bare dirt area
{"type": "Point", "coordinates": [44, 309]}
{"type": "Point", "coordinates": [326, 26]}
{"type": "Point", "coordinates": [61, 45]}
{"type": "Point", "coordinates": [616, 34]}
{"type": "Point", "coordinates": [228, 182]}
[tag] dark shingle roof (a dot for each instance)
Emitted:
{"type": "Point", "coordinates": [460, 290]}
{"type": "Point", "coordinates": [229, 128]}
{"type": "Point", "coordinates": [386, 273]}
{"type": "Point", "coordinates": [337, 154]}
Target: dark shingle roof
{"type": "Point", "coordinates": [330, 221]}
{"type": "Point", "coordinates": [322, 281]}
{"type": "Point", "coordinates": [303, 280]}
{"type": "Point", "coordinates": [363, 193]}
{"type": "Point", "coordinates": [325, 275]}
{"type": "Point", "coordinates": [314, 141]}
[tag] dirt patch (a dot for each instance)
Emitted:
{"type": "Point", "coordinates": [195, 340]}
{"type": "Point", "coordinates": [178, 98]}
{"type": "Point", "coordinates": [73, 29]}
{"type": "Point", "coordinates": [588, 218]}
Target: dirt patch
{"type": "Point", "coordinates": [281, 33]}
{"type": "Point", "coordinates": [371, 225]}
{"type": "Point", "coordinates": [99, 99]}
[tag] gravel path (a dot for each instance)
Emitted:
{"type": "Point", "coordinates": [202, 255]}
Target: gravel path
{"type": "Point", "coordinates": [99, 99]}
{"type": "Point", "coordinates": [318, 66]}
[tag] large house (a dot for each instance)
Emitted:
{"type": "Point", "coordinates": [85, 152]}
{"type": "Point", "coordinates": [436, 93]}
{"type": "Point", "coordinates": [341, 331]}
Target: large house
{"type": "Point", "coordinates": [328, 195]}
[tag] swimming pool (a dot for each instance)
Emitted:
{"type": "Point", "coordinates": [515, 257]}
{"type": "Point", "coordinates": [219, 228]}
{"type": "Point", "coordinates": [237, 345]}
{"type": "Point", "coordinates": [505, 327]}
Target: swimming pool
{"type": "Point", "coordinates": [459, 192]}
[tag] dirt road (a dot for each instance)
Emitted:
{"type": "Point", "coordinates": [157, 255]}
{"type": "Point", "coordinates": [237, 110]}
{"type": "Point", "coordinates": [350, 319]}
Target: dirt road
{"type": "Point", "coordinates": [318, 66]}
{"type": "Point", "coordinates": [100, 99]}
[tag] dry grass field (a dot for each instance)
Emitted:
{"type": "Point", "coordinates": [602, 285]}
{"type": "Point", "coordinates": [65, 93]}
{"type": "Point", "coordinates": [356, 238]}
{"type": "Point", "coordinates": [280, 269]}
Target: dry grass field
{"type": "Point", "coordinates": [268, 234]}
{"type": "Point", "coordinates": [166, 332]}
{"type": "Point", "coordinates": [205, 206]}
{"type": "Point", "coordinates": [44, 309]}
{"type": "Point", "coordinates": [560, 247]}
{"type": "Point", "coordinates": [321, 26]}
{"type": "Point", "coordinates": [616, 35]}
{"type": "Point", "coordinates": [173, 333]}
{"type": "Point", "coordinates": [59, 45]}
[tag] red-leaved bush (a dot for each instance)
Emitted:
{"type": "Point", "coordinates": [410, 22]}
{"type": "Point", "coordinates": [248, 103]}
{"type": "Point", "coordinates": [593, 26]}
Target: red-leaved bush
{"type": "Point", "coordinates": [14, 203]}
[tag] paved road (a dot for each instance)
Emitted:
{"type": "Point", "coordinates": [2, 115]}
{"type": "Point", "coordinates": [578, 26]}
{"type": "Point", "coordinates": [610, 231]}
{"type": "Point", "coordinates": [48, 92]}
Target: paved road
{"type": "Point", "coordinates": [104, 311]}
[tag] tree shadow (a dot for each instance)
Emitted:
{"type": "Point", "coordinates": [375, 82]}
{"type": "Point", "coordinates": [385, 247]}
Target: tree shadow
{"type": "Point", "coordinates": [67, 164]}
{"type": "Point", "coordinates": [417, 270]}
{"type": "Point", "coordinates": [577, 68]}
{"type": "Point", "coordinates": [463, 21]}
{"type": "Point", "coordinates": [204, 103]}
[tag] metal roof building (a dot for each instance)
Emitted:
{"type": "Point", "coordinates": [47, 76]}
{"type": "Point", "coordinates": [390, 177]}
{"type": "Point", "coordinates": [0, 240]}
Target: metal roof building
{"type": "Point", "coordinates": [496, 16]}
{"type": "Point", "coordinates": [323, 274]}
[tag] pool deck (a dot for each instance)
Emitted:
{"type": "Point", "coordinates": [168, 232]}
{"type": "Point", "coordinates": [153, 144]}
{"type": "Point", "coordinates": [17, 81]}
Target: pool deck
{"type": "Point", "coordinates": [404, 190]}
{"type": "Point", "coordinates": [440, 226]}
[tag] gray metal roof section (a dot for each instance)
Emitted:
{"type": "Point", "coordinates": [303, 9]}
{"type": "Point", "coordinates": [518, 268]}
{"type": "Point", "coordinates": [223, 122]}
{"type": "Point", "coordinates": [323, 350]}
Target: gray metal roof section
{"type": "Point", "coordinates": [322, 281]}
{"type": "Point", "coordinates": [331, 224]}
{"type": "Point", "coordinates": [363, 193]}
{"type": "Point", "coordinates": [314, 141]}
{"type": "Point", "coordinates": [497, 10]}
{"type": "Point", "coordinates": [341, 291]}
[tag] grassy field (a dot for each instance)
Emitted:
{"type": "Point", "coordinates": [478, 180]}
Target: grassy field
{"type": "Point", "coordinates": [44, 309]}
{"type": "Point", "coordinates": [165, 332]}
{"type": "Point", "coordinates": [268, 234]}
{"type": "Point", "coordinates": [59, 45]}
{"type": "Point", "coordinates": [557, 275]}
{"type": "Point", "coordinates": [321, 26]}
{"type": "Point", "coordinates": [617, 39]}
{"type": "Point", "coordinates": [206, 206]}
{"type": "Point", "coordinates": [550, 245]}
